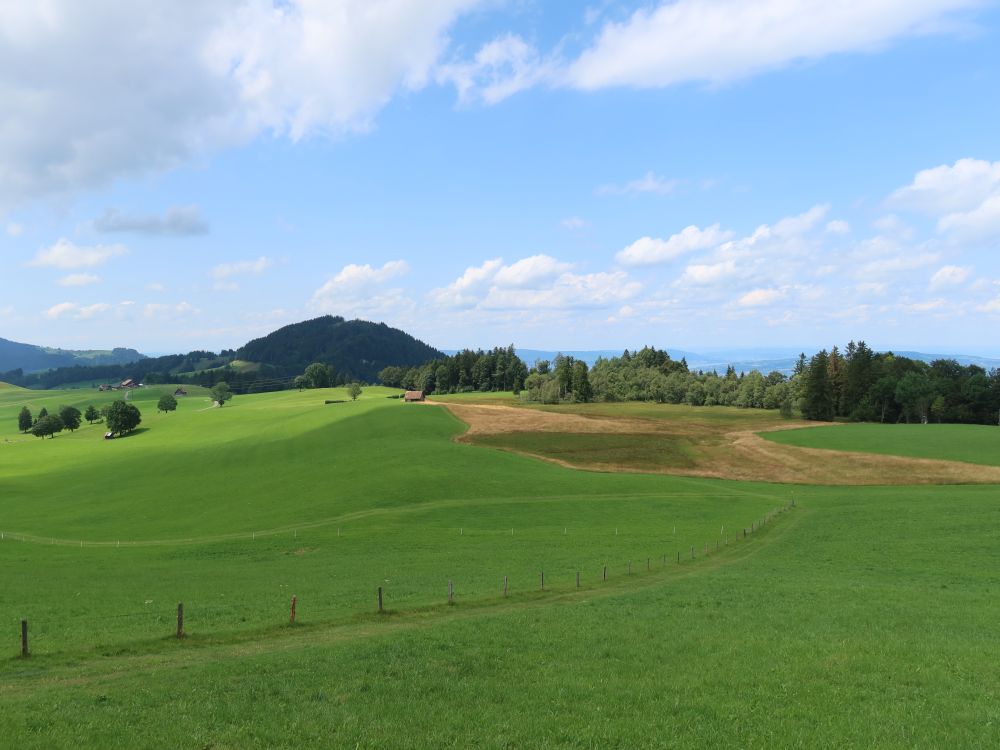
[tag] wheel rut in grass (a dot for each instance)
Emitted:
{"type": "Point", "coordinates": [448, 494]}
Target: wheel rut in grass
{"type": "Point", "coordinates": [695, 448]}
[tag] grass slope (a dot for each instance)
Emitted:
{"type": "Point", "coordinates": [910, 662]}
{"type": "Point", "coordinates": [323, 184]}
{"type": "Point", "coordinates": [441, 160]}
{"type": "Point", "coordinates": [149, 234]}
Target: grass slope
{"type": "Point", "coordinates": [977, 444]}
{"type": "Point", "coordinates": [865, 617]}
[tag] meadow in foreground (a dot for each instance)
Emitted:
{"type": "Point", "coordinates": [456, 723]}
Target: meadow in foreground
{"type": "Point", "coordinates": [865, 616]}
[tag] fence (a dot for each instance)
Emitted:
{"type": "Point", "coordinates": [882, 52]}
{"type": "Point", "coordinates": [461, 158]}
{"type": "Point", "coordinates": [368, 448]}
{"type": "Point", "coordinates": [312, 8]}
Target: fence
{"type": "Point", "coordinates": [380, 593]}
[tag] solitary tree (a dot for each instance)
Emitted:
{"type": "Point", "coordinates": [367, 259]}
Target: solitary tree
{"type": "Point", "coordinates": [221, 393]}
{"type": "Point", "coordinates": [91, 415]}
{"type": "Point", "coordinates": [24, 419]}
{"type": "Point", "coordinates": [167, 403]}
{"type": "Point", "coordinates": [354, 390]}
{"type": "Point", "coordinates": [70, 417]}
{"type": "Point", "coordinates": [47, 426]}
{"type": "Point", "coordinates": [123, 417]}
{"type": "Point", "coordinates": [300, 382]}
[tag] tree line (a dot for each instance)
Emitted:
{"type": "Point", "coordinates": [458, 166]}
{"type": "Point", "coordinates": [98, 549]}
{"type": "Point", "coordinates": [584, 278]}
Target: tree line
{"type": "Point", "coordinates": [499, 369]}
{"type": "Point", "coordinates": [858, 384]}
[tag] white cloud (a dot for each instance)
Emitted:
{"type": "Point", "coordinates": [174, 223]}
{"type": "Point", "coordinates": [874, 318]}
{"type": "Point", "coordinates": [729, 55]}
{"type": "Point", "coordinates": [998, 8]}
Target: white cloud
{"type": "Point", "coordinates": [78, 312]}
{"type": "Point", "coordinates": [922, 307]}
{"type": "Point", "coordinates": [993, 306]}
{"type": "Point", "coordinates": [760, 297]}
{"type": "Point", "coordinates": [156, 287]}
{"type": "Point", "coordinates": [14, 229]}
{"type": "Point", "coordinates": [872, 287]}
{"type": "Point", "coordinates": [529, 272]}
{"type": "Point", "coordinates": [79, 279]}
{"type": "Point", "coordinates": [650, 251]}
{"type": "Point", "coordinates": [177, 221]}
{"type": "Point", "coordinates": [536, 282]}
{"type": "Point", "coordinates": [949, 276]}
{"type": "Point", "coordinates": [720, 41]}
{"type": "Point", "coordinates": [709, 273]}
{"type": "Point", "coordinates": [501, 68]}
{"type": "Point", "coordinates": [241, 267]}
{"type": "Point", "coordinates": [981, 222]}
{"type": "Point", "coordinates": [838, 226]}
{"type": "Point", "coordinates": [567, 291]}
{"type": "Point", "coordinates": [64, 254]}
{"type": "Point", "coordinates": [199, 76]}
{"type": "Point", "coordinates": [949, 189]}
{"type": "Point", "coordinates": [648, 183]}
{"type": "Point", "coordinates": [360, 290]}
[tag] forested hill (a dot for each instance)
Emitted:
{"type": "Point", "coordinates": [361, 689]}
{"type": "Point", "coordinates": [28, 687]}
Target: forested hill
{"type": "Point", "coordinates": [31, 358]}
{"type": "Point", "coordinates": [354, 348]}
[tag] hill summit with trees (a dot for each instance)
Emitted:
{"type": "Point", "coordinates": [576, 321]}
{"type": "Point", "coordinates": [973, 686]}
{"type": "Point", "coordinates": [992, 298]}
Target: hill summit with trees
{"type": "Point", "coordinates": [31, 358]}
{"type": "Point", "coordinates": [355, 349]}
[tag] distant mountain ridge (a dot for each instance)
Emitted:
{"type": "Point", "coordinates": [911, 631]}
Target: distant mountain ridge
{"type": "Point", "coordinates": [31, 358]}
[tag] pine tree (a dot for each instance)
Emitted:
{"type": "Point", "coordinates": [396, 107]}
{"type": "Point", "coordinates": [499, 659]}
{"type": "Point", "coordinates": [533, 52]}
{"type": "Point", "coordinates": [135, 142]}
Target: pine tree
{"type": "Point", "coordinates": [818, 400]}
{"type": "Point", "coordinates": [24, 421]}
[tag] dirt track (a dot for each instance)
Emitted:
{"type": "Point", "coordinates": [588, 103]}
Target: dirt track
{"type": "Point", "coordinates": [741, 454]}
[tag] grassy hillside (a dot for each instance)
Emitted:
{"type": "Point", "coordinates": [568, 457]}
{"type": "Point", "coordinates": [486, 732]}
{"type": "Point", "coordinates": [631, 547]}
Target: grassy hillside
{"type": "Point", "coordinates": [860, 618]}
{"type": "Point", "coordinates": [977, 444]}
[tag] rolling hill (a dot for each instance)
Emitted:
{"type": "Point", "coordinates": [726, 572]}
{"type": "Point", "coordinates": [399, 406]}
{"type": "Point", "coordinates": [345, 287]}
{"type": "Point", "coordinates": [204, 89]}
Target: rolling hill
{"type": "Point", "coordinates": [30, 358]}
{"type": "Point", "coordinates": [356, 348]}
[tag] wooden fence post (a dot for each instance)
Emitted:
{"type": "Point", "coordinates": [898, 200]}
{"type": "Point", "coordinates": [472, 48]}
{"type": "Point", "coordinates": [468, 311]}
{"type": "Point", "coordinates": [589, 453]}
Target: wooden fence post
{"type": "Point", "coordinates": [505, 587]}
{"type": "Point", "coordinates": [543, 581]}
{"type": "Point", "coordinates": [692, 553]}
{"type": "Point", "coordinates": [380, 600]}
{"type": "Point", "coordinates": [291, 617]}
{"type": "Point", "coordinates": [24, 639]}
{"type": "Point", "coordinates": [647, 565]}
{"type": "Point", "coordinates": [578, 579]}
{"type": "Point", "coordinates": [678, 557]}
{"type": "Point", "coordinates": [180, 620]}
{"type": "Point", "coordinates": [605, 572]}
{"type": "Point", "coordinates": [451, 593]}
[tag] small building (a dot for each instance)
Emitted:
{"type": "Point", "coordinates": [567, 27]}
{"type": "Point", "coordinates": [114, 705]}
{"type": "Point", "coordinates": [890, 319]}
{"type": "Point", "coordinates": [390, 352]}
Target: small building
{"type": "Point", "coordinates": [128, 383]}
{"type": "Point", "coordinates": [411, 396]}
{"type": "Point", "coordinates": [180, 392]}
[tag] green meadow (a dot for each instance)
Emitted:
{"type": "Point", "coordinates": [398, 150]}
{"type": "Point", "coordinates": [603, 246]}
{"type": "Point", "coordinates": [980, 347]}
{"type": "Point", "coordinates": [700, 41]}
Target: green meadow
{"type": "Point", "coordinates": [972, 443]}
{"type": "Point", "coordinates": [861, 617]}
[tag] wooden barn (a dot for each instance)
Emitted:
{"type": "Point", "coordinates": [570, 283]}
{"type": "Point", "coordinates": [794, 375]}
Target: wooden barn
{"type": "Point", "coordinates": [411, 396]}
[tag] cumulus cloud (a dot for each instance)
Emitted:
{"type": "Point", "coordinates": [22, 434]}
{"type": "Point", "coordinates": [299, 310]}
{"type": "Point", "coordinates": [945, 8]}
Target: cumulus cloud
{"type": "Point", "coordinates": [838, 226]}
{"type": "Point", "coordinates": [361, 290]}
{"type": "Point", "coordinates": [78, 279]}
{"type": "Point", "coordinates": [75, 311]}
{"type": "Point", "coordinates": [501, 68]}
{"type": "Point", "coordinates": [536, 282]}
{"type": "Point", "coordinates": [199, 76]}
{"type": "Point", "coordinates": [178, 221]}
{"type": "Point", "coordinates": [949, 276]}
{"type": "Point", "coordinates": [964, 197]}
{"type": "Point", "coordinates": [651, 251]}
{"type": "Point", "coordinates": [65, 254]}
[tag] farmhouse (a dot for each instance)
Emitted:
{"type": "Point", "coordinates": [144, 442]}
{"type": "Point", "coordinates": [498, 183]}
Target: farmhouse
{"type": "Point", "coordinates": [180, 392]}
{"type": "Point", "coordinates": [128, 383]}
{"type": "Point", "coordinates": [413, 396]}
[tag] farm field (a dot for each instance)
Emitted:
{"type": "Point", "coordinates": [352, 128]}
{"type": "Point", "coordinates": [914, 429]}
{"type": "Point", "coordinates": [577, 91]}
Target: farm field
{"type": "Point", "coordinates": [863, 616]}
{"type": "Point", "coordinates": [976, 444]}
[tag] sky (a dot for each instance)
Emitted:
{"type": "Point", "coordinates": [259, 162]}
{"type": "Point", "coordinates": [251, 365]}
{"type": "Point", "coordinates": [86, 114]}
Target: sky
{"type": "Point", "coordinates": [698, 174]}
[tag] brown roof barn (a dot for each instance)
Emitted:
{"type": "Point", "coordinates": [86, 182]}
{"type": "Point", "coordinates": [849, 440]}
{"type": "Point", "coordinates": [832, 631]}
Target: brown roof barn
{"type": "Point", "coordinates": [413, 396]}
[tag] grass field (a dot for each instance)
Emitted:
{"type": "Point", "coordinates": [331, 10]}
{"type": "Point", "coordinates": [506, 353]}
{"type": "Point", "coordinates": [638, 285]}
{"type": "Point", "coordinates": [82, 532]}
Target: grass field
{"type": "Point", "coordinates": [864, 616]}
{"type": "Point", "coordinates": [976, 444]}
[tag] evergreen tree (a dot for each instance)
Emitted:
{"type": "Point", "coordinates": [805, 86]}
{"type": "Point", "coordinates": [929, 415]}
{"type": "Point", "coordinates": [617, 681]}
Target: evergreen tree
{"type": "Point", "coordinates": [91, 414]}
{"type": "Point", "coordinates": [818, 399]}
{"type": "Point", "coordinates": [24, 421]}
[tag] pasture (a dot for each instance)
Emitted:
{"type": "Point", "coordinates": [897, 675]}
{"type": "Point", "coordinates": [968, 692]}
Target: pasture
{"type": "Point", "coordinates": [864, 616]}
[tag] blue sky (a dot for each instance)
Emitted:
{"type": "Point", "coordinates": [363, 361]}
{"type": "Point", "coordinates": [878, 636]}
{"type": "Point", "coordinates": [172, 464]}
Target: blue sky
{"type": "Point", "coordinates": [695, 173]}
